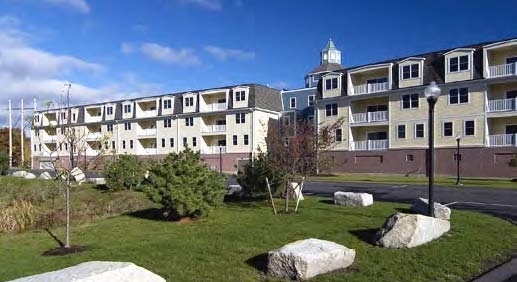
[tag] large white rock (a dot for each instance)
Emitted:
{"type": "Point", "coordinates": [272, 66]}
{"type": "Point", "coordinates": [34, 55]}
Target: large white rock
{"type": "Point", "coordinates": [45, 175]}
{"type": "Point", "coordinates": [353, 199]}
{"type": "Point", "coordinates": [19, 173]}
{"type": "Point", "coordinates": [96, 271]}
{"type": "Point", "coordinates": [421, 205]}
{"type": "Point", "coordinates": [97, 180]}
{"type": "Point", "coordinates": [78, 175]}
{"type": "Point", "coordinates": [234, 190]}
{"type": "Point", "coordinates": [30, 175]}
{"type": "Point", "coordinates": [410, 230]}
{"type": "Point", "coordinates": [307, 258]}
{"type": "Point", "coordinates": [297, 190]}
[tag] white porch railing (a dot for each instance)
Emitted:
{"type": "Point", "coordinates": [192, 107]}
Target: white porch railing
{"type": "Point", "coordinates": [94, 136]}
{"type": "Point", "coordinates": [370, 88]}
{"type": "Point", "coordinates": [502, 140]}
{"type": "Point", "coordinates": [369, 145]}
{"type": "Point", "coordinates": [502, 105]}
{"type": "Point", "coordinates": [503, 70]}
{"type": "Point", "coordinates": [89, 118]}
{"type": "Point", "coordinates": [369, 117]}
{"type": "Point", "coordinates": [146, 132]}
{"type": "Point", "coordinates": [147, 151]}
{"type": "Point", "coordinates": [214, 149]}
{"type": "Point", "coordinates": [148, 113]}
{"type": "Point", "coordinates": [217, 106]}
{"type": "Point", "coordinates": [49, 138]}
{"type": "Point", "coordinates": [214, 128]}
{"type": "Point", "coordinates": [92, 152]}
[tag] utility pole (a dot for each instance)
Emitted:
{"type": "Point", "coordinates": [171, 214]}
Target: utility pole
{"type": "Point", "coordinates": [32, 143]}
{"type": "Point", "coordinates": [70, 163]}
{"type": "Point", "coordinates": [21, 136]}
{"type": "Point", "coordinates": [10, 136]}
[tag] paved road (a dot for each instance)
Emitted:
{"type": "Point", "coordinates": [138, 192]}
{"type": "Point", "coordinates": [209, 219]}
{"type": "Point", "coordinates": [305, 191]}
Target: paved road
{"type": "Point", "coordinates": [498, 202]}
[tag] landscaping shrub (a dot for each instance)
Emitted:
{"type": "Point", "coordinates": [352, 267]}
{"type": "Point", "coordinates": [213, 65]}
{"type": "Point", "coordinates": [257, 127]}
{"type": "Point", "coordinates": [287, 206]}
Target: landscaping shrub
{"type": "Point", "coordinates": [184, 185]}
{"type": "Point", "coordinates": [18, 216]}
{"type": "Point", "coordinates": [4, 163]}
{"type": "Point", "coordinates": [125, 172]}
{"type": "Point", "coordinates": [252, 178]}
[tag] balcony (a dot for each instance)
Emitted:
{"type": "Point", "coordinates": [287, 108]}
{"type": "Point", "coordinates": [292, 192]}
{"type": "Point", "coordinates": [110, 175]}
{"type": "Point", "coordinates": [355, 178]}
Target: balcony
{"type": "Point", "coordinates": [92, 152]}
{"type": "Point", "coordinates": [369, 145]}
{"type": "Point", "coordinates": [147, 151]}
{"type": "Point", "coordinates": [502, 105]}
{"type": "Point", "coordinates": [146, 132]}
{"type": "Point", "coordinates": [216, 107]}
{"type": "Point", "coordinates": [146, 114]}
{"type": "Point", "coordinates": [89, 118]}
{"type": "Point", "coordinates": [214, 128]}
{"type": "Point", "coordinates": [503, 70]}
{"type": "Point", "coordinates": [369, 117]}
{"type": "Point", "coordinates": [214, 149]}
{"type": "Point", "coordinates": [502, 140]}
{"type": "Point", "coordinates": [94, 136]}
{"type": "Point", "coordinates": [370, 88]}
{"type": "Point", "coordinates": [49, 139]}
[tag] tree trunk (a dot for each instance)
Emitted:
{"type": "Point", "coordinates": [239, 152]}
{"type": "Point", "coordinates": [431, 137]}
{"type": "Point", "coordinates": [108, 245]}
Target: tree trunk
{"type": "Point", "coordinates": [67, 199]}
{"type": "Point", "coordinates": [287, 197]}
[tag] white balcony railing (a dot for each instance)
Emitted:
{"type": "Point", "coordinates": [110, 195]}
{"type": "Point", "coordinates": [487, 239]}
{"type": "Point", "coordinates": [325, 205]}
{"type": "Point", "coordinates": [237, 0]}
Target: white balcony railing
{"type": "Point", "coordinates": [217, 106]}
{"type": "Point", "coordinates": [214, 128]}
{"type": "Point", "coordinates": [369, 145]}
{"type": "Point", "coordinates": [370, 88]}
{"type": "Point", "coordinates": [503, 70]}
{"type": "Point", "coordinates": [146, 132]}
{"type": "Point", "coordinates": [94, 136]}
{"type": "Point", "coordinates": [369, 117]}
{"type": "Point", "coordinates": [148, 113]}
{"type": "Point", "coordinates": [214, 150]}
{"type": "Point", "coordinates": [90, 118]}
{"type": "Point", "coordinates": [502, 105]}
{"type": "Point", "coordinates": [49, 138]}
{"type": "Point", "coordinates": [92, 152]}
{"type": "Point", "coordinates": [147, 151]}
{"type": "Point", "coordinates": [502, 140]}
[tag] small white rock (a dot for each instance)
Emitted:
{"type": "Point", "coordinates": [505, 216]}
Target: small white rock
{"type": "Point", "coordinates": [353, 199]}
{"type": "Point", "coordinates": [421, 206]}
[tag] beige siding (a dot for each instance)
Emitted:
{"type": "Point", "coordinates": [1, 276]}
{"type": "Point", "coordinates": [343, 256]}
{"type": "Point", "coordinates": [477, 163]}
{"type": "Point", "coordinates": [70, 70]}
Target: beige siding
{"type": "Point", "coordinates": [241, 104]}
{"type": "Point", "coordinates": [360, 106]}
{"type": "Point", "coordinates": [498, 56]}
{"type": "Point", "coordinates": [498, 91]}
{"type": "Point", "coordinates": [410, 141]}
{"type": "Point", "coordinates": [238, 129]}
{"type": "Point", "coordinates": [343, 108]}
{"type": "Point", "coordinates": [360, 133]}
{"type": "Point", "coordinates": [461, 75]}
{"type": "Point", "coordinates": [166, 133]}
{"type": "Point", "coordinates": [333, 92]}
{"type": "Point", "coordinates": [498, 125]}
{"type": "Point", "coordinates": [190, 109]}
{"type": "Point", "coordinates": [410, 82]}
{"type": "Point", "coordinates": [262, 120]}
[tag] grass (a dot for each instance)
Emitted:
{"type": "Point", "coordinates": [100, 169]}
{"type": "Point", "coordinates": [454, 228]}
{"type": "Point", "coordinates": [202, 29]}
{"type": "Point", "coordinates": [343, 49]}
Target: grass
{"type": "Point", "coordinates": [230, 244]}
{"type": "Point", "coordinates": [415, 179]}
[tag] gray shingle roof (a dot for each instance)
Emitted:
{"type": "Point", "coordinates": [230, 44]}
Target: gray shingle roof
{"type": "Point", "coordinates": [327, 67]}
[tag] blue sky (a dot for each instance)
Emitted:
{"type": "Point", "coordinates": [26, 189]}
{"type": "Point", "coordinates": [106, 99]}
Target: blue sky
{"type": "Point", "coordinates": [112, 49]}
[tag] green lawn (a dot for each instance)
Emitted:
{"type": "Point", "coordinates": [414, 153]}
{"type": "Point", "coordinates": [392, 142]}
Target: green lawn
{"type": "Point", "coordinates": [419, 179]}
{"type": "Point", "coordinates": [230, 244]}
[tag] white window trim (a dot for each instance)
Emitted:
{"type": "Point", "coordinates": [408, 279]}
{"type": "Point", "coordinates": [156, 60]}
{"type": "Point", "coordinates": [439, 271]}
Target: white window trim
{"type": "Point", "coordinates": [330, 78]}
{"type": "Point", "coordinates": [465, 128]}
{"type": "Point", "coordinates": [405, 131]}
{"type": "Point", "coordinates": [443, 129]}
{"type": "Point", "coordinates": [309, 100]}
{"type": "Point", "coordinates": [469, 61]}
{"type": "Point", "coordinates": [331, 115]}
{"type": "Point", "coordinates": [410, 107]}
{"type": "Point", "coordinates": [291, 99]}
{"type": "Point", "coordinates": [401, 73]}
{"type": "Point", "coordinates": [459, 103]}
{"type": "Point", "coordinates": [238, 89]}
{"type": "Point", "coordinates": [335, 135]}
{"type": "Point", "coordinates": [414, 130]}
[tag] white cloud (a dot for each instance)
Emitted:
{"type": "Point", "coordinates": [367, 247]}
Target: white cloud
{"type": "Point", "coordinates": [214, 5]}
{"type": "Point", "coordinates": [225, 53]}
{"type": "Point", "coordinates": [157, 52]}
{"type": "Point", "coordinates": [126, 48]}
{"type": "Point", "coordinates": [79, 5]}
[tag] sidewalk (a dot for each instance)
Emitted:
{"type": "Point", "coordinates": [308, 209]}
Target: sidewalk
{"type": "Point", "coordinates": [506, 272]}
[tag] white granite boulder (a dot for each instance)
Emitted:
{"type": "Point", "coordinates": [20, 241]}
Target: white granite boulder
{"type": "Point", "coordinates": [97, 180]}
{"type": "Point", "coordinates": [78, 175]}
{"type": "Point", "coordinates": [30, 175]}
{"type": "Point", "coordinates": [45, 175]}
{"type": "Point", "coordinates": [421, 205]}
{"type": "Point", "coordinates": [234, 190]}
{"type": "Point", "coordinates": [410, 230]}
{"type": "Point", "coordinates": [353, 199]}
{"type": "Point", "coordinates": [304, 259]}
{"type": "Point", "coordinates": [297, 190]}
{"type": "Point", "coordinates": [19, 173]}
{"type": "Point", "coordinates": [96, 271]}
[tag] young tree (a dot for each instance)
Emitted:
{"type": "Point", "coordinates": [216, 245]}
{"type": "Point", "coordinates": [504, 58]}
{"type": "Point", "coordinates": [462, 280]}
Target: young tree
{"type": "Point", "coordinates": [124, 172]}
{"type": "Point", "coordinates": [184, 185]}
{"type": "Point", "coordinates": [252, 177]}
{"type": "Point", "coordinates": [297, 149]}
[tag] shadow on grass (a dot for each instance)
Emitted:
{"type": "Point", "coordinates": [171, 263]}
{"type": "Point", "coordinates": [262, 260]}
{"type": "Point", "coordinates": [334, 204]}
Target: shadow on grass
{"type": "Point", "coordinates": [404, 210]}
{"type": "Point", "coordinates": [259, 262]}
{"type": "Point", "coordinates": [150, 214]}
{"type": "Point", "coordinates": [329, 202]}
{"type": "Point", "coordinates": [60, 243]}
{"type": "Point", "coordinates": [366, 235]}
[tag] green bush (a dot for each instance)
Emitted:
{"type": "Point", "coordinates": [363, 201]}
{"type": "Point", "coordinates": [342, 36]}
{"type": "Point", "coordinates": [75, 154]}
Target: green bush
{"type": "Point", "coordinates": [4, 163]}
{"type": "Point", "coordinates": [125, 172]}
{"type": "Point", "coordinates": [185, 186]}
{"type": "Point", "coordinates": [252, 178]}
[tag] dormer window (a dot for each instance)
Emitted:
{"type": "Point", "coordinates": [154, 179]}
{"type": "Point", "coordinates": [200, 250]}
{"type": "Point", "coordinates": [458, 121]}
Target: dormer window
{"type": "Point", "coordinates": [36, 118]}
{"type": "Point", "coordinates": [460, 63]}
{"type": "Point", "coordinates": [240, 95]}
{"type": "Point", "coordinates": [331, 83]}
{"type": "Point", "coordinates": [109, 111]}
{"type": "Point", "coordinates": [127, 109]}
{"type": "Point", "coordinates": [189, 102]}
{"type": "Point", "coordinates": [410, 71]}
{"type": "Point", "coordinates": [167, 104]}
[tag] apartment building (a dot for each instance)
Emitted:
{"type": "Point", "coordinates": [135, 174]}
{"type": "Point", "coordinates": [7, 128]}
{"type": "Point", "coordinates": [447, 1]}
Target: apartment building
{"type": "Point", "coordinates": [386, 113]}
{"type": "Point", "coordinates": [227, 125]}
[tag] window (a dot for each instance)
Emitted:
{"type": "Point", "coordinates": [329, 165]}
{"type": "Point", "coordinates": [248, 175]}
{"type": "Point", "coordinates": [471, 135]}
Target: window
{"type": "Point", "coordinates": [447, 128]}
{"type": "Point", "coordinates": [185, 141]}
{"type": "Point", "coordinates": [311, 100]}
{"type": "Point", "coordinates": [419, 130]}
{"type": "Point", "coordinates": [460, 63]}
{"type": "Point", "coordinates": [194, 141]}
{"type": "Point", "coordinates": [127, 126]}
{"type": "Point", "coordinates": [189, 121]}
{"type": "Point", "coordinates": [123, 144]}
{"type": "Point", "coordinates": [189, 101]}
{"type": "Point", "coordinates": [109, 110]}
{"type": "Point", "coordinates": [109, 127]}
{"type": "Point", "coordinates": [171, 142]}
{"type": "Point", "coordinates": [240, 95]}
{"type": "Point", "coordinates": [409, 158]}
{"type": "Point", "coordinates": [39, 147]}
{"type": "Point", "coordinates": [113, 145]}
{"type": "Point", "coordinates": [35, 147]}
{"type": "Point", "coordinates": [60, 147]}
{"type": "Point", "coordinates": [246, 139]}
{"type": "Point", "coordinates": [401, 131]}
{"type": "Point", "coordinates": [36, 118]}
{"type": "Point", "coordinates": [235, 140]}
{"type": "Point", "coordinates": [74, 116]}
{"type": "Point", "coordinates": [410, 101]}
{"type": "Point", "coordinates": [240, 118]}
{"type": "Point", "coordinates": [163, 142]}
{"type": "Point", "coordinates": [130, 144]}
{"type": "Point", "coordinates": [315, 77]}
{"type": "Point", "coordinates": [127, 109]}
{"type": "Point", "coordinates": [331, 83]}
{"type": "Point", "coordinates": [331, 109]}
{"type": "Point", "coordinates": [470, 128]}
{"type": "Point", "coordinates": [459, 95]}
{"type": "Point", "coordinates": [66, 146]}
{"type": "Point", "coordinates": [410, 71]}
{"type": "Point", "coordinates": [167, 104]}
{"type": "Point", "coordinates": [63, 115]}
{"type": "Point", "coordinates": [339, 135]}
{"type": "Point", "coordinates": [292, 102]}
{"type": "Point", "coordinates": [167, 123]}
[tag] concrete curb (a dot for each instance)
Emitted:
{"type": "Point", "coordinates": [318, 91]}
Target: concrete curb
{"type": "Point", "coordinates": [505, 272]}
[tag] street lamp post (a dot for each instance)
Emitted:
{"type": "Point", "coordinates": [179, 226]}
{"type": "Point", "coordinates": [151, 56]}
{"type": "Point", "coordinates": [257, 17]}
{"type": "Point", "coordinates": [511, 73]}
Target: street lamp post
{"type": "Point", "coordinates": [458, 159]}
{"type": "Point", "coordinates": [220, 159]}
{"type": "Point", "coordinates": [432, 93]}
